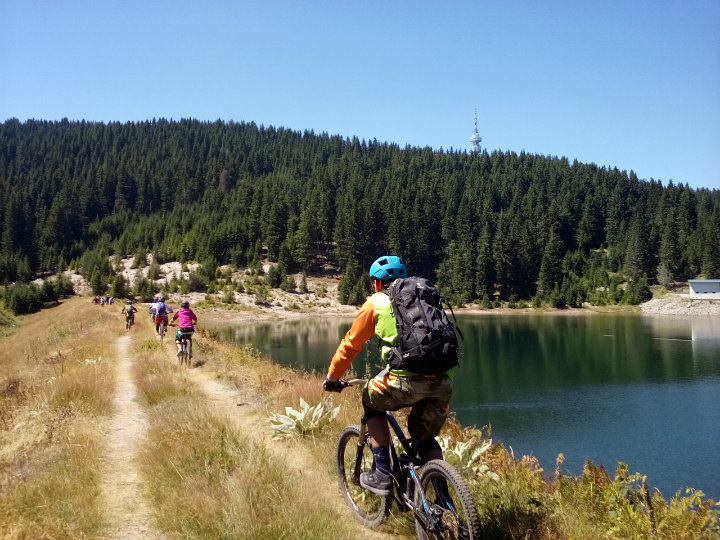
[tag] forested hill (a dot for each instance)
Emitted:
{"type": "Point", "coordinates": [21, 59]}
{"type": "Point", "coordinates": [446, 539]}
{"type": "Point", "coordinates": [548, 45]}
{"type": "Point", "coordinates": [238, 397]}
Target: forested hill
{"type": "Point", "coordinates": [514, 226]}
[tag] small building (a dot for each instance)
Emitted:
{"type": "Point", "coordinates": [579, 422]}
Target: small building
{"type": "Point", "coordinates": [704, 289]}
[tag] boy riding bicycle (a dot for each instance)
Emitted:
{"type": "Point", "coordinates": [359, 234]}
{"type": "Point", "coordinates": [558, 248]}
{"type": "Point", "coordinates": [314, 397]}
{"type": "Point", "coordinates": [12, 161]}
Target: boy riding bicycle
{"type": "Point", "coordinates": [391, 389]}
{"type": "Point", "coordinates": [186, 318]}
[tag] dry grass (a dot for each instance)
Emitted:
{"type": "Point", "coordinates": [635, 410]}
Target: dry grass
{"type": "Point", "coordinates": [55, 390]}
{"type": "Point", "coordinates": [206, 478]}
{"type": "Point", "coordinates": [209, 481]}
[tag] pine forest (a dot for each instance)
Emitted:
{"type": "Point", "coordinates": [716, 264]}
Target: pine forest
{"type": "Point", "coordinates": [487, 227]}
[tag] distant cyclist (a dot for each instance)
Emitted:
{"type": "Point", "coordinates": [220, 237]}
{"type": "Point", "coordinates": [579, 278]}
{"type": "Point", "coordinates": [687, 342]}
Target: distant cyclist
{"type": "Point", "coordinates": [153, 308]}
{"type": "Point", "coordinates": [160, 312]}
{"type": "Point", "coordinates": [186, 321]}
{"type": "Point", "coordinates": [129, 311]}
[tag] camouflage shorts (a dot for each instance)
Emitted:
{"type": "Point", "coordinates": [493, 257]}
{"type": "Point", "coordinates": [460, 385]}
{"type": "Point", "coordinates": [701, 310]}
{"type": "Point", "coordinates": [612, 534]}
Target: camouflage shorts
{"type": "Point", "coordinates": [428, 395]}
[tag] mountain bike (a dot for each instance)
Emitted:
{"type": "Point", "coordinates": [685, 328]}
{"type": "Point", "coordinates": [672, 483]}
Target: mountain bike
{"type": "Point", "coordinates": [129, 321]}
{"type": "Point", "coordinates": [161, 330]}
{"type": "Point", "coordinates": [435, 493]}
{"type": "Point", "coordinates": [185, 353]}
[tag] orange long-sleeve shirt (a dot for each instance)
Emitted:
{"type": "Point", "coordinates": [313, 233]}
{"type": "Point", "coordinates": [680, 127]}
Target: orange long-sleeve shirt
{"type": "Point", "coordinates": [362, 329]}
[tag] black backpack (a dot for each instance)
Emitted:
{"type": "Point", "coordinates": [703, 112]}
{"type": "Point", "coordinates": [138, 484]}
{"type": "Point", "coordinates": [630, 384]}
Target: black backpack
{"type": "Point", "coordinates": [426, 341]}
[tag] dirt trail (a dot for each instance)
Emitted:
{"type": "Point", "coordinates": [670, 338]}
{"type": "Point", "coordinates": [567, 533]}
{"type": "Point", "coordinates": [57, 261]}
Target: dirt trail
{"type": "Point", "coordinates": [126, 510]}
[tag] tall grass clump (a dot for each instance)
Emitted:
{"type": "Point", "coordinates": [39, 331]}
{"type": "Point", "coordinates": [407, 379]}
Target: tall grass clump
{"type": "Point", "coordinates": [55, 392]}
{"type": "Point", "coordinates": [56, 495]}
{"type": "Point", "coordinates": [156, 378]}
{"type": "Point", "coordinates": [88, 387]}
{"type": "Point", "coordinates": [207, 479]}
{"type": "Point", "coordinates": [8, 322]}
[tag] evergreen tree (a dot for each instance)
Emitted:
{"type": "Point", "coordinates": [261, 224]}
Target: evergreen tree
{"type": "Point", "coordinates": [711, 260]}
{"type": "Point", "coordinates": [670, 253]}
{"type": "Point", "coordinates": [119, 287]}
{"type": "Point", "coordinates": [551, 265]}
{"type": "Point", "coordinates": [638, 255]}
{"type": "Point", "coordinates": [485, 274]}
{"type": "Point", "coordinates": [97, 283]}
{"type": "Point", "coordinates": [351, 285]}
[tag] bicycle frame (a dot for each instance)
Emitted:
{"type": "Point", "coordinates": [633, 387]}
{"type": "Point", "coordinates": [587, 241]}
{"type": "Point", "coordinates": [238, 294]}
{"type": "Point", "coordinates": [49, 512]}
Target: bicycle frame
{"type": "Point", "coordinates": [405, 468]}
{"type": "Point", "coordinates": [186, 347]}
{"type": "Point", "coordinates": [185, 344]}
{"type": "Point", "coordinates": [422, 488]}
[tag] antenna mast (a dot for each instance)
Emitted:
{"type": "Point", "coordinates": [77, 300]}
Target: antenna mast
{"type": "Point", "coordinates": [475, 139]}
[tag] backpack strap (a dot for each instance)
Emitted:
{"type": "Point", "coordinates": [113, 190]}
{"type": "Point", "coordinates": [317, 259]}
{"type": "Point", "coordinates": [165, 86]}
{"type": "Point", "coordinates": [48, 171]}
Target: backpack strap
{"type": "Point", "coordinates": [442, 300]}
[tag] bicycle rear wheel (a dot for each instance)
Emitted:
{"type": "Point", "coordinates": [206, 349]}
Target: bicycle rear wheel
{"type": "Point", "coordinates": [370, 509]}
{"type": "Point", "coordinates": [184, 359]}
{"type": "Point", "coordinates": [451, 508]}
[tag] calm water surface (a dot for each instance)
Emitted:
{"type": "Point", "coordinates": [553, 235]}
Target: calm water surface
{"type": "Point", "coordinates": [640, 389]}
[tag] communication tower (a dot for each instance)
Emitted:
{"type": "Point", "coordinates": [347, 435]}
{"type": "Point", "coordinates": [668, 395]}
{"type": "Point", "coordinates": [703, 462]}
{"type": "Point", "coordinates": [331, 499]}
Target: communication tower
{"type": "Point", "coordinates": [475, 139]}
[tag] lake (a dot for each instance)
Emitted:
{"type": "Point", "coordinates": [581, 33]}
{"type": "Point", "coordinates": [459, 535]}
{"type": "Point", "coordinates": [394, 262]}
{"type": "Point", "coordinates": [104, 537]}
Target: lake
{"type": "Point", "coordinates": [640, 389]}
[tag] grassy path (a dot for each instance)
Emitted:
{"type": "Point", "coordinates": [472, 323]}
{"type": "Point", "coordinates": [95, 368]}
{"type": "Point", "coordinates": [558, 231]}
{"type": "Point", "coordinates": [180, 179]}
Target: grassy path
{"type": "Point", "coordinates": [244, 409]}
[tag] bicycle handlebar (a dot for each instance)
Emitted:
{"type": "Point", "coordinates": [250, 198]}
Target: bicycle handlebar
{"type": "Point", "coordinates": [344, 383]}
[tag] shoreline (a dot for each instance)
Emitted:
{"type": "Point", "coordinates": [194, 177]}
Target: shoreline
{"type": "Point", "coordinates": [245, 311]}
{"type": "Point", "coordinates": [321, 300]}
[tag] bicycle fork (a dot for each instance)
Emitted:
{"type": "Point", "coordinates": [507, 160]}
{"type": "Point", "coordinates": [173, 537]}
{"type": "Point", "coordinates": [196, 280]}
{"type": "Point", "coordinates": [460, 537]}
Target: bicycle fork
{"type": "Point", "coordinates": [357, 468]}
{"type": "Point", "coordinates": [428, 515]}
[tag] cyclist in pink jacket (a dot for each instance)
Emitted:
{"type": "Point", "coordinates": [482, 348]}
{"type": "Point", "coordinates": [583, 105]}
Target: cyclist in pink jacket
{"type": "Point", "coordinates": [186, 319]}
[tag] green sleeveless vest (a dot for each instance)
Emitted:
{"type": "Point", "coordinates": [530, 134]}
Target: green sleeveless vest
{"type": "Point", "coordinates": [385, 327]}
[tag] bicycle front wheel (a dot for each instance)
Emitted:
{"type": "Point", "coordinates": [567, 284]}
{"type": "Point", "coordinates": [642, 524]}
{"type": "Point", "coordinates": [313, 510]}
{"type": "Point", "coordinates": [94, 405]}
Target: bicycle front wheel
{"type": "Point", "coordinates": [451, 513]}
{"type": "Point", "coordinates": [353, 459]}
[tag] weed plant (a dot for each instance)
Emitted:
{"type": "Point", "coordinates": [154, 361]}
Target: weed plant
{"type": "Point", "coordinates": [518, 501]}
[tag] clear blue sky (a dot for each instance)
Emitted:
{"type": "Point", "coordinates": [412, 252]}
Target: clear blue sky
{"type": "Point", "coordinates": [630, 84]}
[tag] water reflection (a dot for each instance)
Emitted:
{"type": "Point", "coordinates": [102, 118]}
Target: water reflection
{"type": "Point", "coordinates": [305, 344]}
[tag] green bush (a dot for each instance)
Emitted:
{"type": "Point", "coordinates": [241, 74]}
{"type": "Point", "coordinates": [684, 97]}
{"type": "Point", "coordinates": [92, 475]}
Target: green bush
{"type": "Point", "coordinates": [23, 298]}
{"type": "Point", "coordinates": [273, 277]}
{"type": "Point", "coordinates": [288, 285]}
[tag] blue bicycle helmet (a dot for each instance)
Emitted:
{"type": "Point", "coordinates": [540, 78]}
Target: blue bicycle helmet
{"type": "Point", "coordinates": [388, 267]}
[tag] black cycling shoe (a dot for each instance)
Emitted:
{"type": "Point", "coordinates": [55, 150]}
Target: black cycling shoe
{"type": "Point", "coordinates": [377, 482]}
